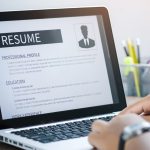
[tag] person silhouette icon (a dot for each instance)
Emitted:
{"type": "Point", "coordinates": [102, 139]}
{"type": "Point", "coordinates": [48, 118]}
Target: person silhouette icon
{"type": "Point", "coordinates": [86, 42]}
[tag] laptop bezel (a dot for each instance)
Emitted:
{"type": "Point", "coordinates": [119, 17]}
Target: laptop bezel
{"type": "Point", "coordinates": [79, 113]}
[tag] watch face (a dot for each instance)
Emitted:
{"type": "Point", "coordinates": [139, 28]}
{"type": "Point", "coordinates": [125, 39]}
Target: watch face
{"type": "Point", "coordinates": [135, 130]}
{"type": "Point", "coordinates": [132, 131]}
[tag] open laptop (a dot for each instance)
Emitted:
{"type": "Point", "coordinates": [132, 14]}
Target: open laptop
{"type": "Point", "coordinates": [59, 72]}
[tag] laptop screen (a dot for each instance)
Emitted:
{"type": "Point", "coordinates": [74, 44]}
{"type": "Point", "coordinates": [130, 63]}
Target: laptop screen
{"type": "Point", "coordinates": [54, 64]}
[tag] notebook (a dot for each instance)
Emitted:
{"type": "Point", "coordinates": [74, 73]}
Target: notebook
{"type": "Point", "coordinates": [59, 73]}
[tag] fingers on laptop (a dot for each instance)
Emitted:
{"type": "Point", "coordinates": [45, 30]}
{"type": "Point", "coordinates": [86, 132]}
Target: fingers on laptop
{"type": "Point", "coordinates": [94, 137]}
{"type": "Point", "coordinates": [141, 107]}
{"type": "Point", "coordinates": [100, 137]}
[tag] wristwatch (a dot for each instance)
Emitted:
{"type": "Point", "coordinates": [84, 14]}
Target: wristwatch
{"type": "Point", "coordinates": [132, 131]}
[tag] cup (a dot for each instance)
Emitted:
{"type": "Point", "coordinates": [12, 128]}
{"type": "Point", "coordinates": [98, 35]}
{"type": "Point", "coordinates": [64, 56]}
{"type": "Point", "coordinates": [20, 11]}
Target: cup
{"type": "Point", "coordinates": [136, 79]}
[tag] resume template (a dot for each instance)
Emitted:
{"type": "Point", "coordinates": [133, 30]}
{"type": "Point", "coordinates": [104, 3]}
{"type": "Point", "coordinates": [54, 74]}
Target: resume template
{"type": "Point", "coordinates": [51, 65]}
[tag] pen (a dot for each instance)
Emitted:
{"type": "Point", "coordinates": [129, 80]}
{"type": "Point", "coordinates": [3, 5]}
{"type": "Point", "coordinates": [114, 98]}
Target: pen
{"type": "Point", "coordinates": [138, 43]}
{"type": "Point", "coordinates": [125, 48]}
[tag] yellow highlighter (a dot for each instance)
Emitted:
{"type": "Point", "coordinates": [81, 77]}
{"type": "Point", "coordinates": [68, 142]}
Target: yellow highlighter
{"type": "Point", "coordinates": [132, 51]}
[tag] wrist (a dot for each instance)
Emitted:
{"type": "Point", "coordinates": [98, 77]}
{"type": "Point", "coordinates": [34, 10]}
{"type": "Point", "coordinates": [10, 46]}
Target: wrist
{"type": "Point", "coordinates": [130, 133]}
{"type": "Point", "coordinates": [140, 142]}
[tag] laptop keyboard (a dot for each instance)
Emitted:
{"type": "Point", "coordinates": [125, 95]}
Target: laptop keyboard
{"type": "Point", "coordinates": [59, 132]}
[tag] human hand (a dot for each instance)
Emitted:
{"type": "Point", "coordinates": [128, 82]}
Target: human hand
{"type": "Point", "coordinates": [105, 135]}
{"type": "Point", "coordinates": [141, 107]}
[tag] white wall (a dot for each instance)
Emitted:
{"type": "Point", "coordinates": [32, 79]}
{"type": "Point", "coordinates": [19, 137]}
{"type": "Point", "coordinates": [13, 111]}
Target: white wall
{"type": "Point", "coordinates": [129, 18]}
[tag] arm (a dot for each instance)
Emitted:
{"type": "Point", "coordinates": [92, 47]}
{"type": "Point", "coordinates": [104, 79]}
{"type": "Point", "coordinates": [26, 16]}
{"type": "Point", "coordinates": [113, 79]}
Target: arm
{"type": "Point", "coordinates": [105, 135]}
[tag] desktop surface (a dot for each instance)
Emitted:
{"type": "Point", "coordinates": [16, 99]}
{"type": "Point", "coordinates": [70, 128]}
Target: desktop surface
{"type": "Point", "coordinates": [7, 147]}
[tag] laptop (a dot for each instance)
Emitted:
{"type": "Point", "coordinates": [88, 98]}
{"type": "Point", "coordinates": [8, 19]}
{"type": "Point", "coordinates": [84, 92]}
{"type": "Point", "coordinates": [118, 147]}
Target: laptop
{"type": "Point", "coordinates": [59, 73]}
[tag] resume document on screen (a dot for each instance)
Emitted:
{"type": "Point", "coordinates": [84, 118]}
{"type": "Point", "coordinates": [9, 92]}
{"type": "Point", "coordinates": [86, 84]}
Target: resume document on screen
{"type": "Point", "coordinates": [51, 65]}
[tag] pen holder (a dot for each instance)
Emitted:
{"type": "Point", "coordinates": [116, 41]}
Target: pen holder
{"type": "Point", "coordinates": [136, 79]}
